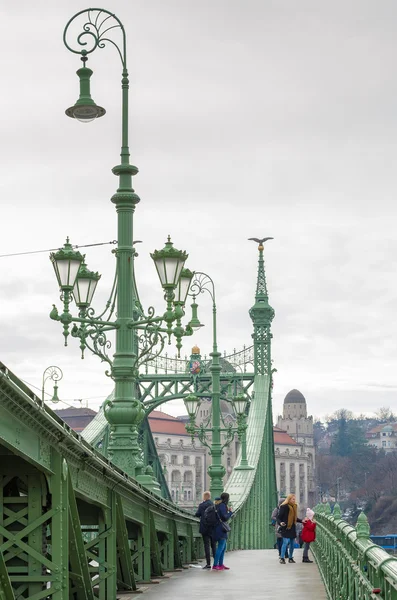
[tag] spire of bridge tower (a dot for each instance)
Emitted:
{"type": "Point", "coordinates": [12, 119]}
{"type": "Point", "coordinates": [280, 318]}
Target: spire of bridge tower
{"type": "Point", "coordinates": [261, 315]}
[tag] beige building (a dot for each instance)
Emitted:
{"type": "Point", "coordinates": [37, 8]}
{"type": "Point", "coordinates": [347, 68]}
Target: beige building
{"type": "Point", "coordinates": [383, 437]}
{"type": "Point", "coordinates": [184, 463]}
{"type": "Point", "coordinates": [294, 450]}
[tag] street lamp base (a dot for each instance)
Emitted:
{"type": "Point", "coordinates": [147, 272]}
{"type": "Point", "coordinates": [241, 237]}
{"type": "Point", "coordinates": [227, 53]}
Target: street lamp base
{"type": "Point", "coordinates": [244, 468]}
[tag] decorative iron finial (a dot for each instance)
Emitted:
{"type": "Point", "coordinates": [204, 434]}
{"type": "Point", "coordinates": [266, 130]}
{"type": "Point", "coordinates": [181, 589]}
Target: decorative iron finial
{"type": "Point", "coordinates": [362, 527]}
{"type": "Point", "coordinates": [337, 512]}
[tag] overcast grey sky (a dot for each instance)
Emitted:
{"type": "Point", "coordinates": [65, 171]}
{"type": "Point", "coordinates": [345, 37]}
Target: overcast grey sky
{"type": "Point", "coordinates": [248, 119]}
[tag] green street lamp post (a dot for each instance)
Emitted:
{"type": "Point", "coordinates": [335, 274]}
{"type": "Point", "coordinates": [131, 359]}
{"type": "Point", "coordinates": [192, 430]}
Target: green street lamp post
{"type": "Point", "coordinates": [55, 374]}
{"type": "Point", "coordinates": [139, 337]}
{"type": "Point", "coordinates": [216, 471]}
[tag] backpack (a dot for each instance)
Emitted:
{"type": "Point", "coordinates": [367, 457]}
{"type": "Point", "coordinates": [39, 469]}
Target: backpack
{"type": "Point", "coordinates": [211, 516]}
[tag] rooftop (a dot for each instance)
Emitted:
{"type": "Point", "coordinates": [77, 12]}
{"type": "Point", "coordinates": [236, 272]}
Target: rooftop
{"type": "Point", "coordinates": [379, 428]}
{"type": "Point", "coordinates": [160, 422]}
{"type": "Point", "coordinates": [282, 438]}
{"type": "Point", "coordinates": [294, 397]}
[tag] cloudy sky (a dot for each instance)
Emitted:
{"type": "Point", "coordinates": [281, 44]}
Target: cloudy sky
{"type": "Point", "coordinates": [248, 119]}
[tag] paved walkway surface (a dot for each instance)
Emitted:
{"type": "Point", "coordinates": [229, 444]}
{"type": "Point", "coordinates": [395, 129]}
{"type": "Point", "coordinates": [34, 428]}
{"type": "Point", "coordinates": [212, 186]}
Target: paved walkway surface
{"type": "Point", "coordinates": [254, 575]}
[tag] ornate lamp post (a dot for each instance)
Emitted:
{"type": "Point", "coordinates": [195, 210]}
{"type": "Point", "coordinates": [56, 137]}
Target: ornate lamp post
{"type": "Point", "coordinates": [200, 284]}
{"type": "Point", "coordinates": [55, 374]}
{"type": "Point", "coordinates": [139, 336]}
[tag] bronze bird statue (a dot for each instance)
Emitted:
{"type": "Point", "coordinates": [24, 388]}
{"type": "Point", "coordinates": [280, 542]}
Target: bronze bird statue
{"type": "Point", "coordinates": [261, 241]}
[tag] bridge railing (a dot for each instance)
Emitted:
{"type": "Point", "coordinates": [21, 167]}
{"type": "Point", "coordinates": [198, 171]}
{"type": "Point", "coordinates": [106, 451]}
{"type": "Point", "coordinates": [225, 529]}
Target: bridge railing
{"type": "Point", "coordinates": [351, 565]}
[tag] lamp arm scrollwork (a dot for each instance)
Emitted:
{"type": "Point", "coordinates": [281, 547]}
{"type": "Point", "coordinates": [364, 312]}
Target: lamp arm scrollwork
{"type": "Point", "coordinates": [96, 23]}
{"type": "Point", "coordinates": [202, 283]}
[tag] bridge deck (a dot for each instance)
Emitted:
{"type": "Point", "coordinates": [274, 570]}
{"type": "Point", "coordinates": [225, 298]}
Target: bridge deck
{"type": "Point", "coordinates": [254, 574]}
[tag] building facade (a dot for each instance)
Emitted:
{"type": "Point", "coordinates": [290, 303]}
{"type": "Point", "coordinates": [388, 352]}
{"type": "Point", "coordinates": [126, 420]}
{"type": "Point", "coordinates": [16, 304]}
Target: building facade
{"type": "Point", "coordinates": [184, 462]}
{"type": "Point", "coordinates": [383, 437]}
{"type": "Point", "coordinates": [294, 450]}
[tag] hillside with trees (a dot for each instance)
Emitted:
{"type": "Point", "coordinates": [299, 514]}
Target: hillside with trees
{"type": "Point", "coordinates": [360, 476]}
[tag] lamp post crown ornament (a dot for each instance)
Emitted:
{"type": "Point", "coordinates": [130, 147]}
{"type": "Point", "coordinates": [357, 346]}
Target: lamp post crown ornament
{"type": "Point", "coordinates": [67, 252]}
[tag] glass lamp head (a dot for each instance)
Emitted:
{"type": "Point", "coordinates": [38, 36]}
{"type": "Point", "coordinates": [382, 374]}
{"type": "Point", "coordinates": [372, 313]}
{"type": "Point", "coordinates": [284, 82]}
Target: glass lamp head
{"type": "Point", "coordinates": [240, 403]}
{"type": "Point", "coordinates": [85, 286]}
{"type": "Point", "coordinates": [169, 263]}
{"type": "Point", "coordinates": [183, 286]}
{"type": "Point", "coordinates": [192, 404]}
{"type": "Point", "coordinates": [66, 263]}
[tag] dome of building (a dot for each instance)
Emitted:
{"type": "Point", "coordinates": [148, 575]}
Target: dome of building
{"type": "Point", "coordinates": [387, 428]}
{"type": "Point", "coordinates": [294, 397]}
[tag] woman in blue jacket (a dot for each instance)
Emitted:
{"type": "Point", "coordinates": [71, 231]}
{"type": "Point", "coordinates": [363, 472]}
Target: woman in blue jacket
{"type": "Point", "coordinates": [220, 534]}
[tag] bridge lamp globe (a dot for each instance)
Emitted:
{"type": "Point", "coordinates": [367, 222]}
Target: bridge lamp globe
{"type": "Point", "coordinates": [192, 404]}
{"type": "Point", "coordinates": [240, 403]}
{"type": "Point", "coordinates": [55, 398]}
{"type": "Point", "coordinates": [85, 286]}
{"type": "Point", "coordinates": [195, 321]}
{"type": "Point", "coordinates": [85, 110]}
{"type": "Point", "coordinates": [66, 263]}
{"type": "Point", "coordinates": [169, 263]}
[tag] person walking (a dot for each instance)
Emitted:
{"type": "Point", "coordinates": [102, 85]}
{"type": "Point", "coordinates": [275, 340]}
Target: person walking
{"type": "Point", "coordinates": [221, 530]}
{"type": "Point", "coordinates": [279, 537]}
{"type": "Point", "coordinates": [308, 534]}
{"type": "Point", "coordinates": [206, 530]}
{"type": "Point", "coordinates": [287, 519]}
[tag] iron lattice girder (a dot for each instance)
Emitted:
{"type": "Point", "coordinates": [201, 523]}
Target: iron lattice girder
{"type": "Point", "coordinates": [154, 388]}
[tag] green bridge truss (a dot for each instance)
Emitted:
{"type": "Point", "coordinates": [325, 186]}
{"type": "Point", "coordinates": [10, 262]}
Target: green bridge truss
{"type": "Point", "coordinates": [74, 526]}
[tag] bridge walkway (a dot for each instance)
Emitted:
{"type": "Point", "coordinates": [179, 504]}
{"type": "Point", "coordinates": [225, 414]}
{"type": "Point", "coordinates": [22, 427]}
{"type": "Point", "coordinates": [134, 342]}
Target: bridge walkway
{"type": "Point", "coordinates": [254, 574]}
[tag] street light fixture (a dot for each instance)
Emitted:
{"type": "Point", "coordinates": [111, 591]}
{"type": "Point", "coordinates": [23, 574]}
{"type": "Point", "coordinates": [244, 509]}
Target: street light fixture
{"type": "Point", "coordinates": [85, 286]}
{"type": "Point", "coordinates": [139, 337]}
{"type": "Point", "coordinates": [55, 374]}
{"type": "Point", "coordinates": [85, 110]}
{"type": "Point", "coordinates": [203, 283]}
{"type": "Point", "coordinates": [185, 280]}
{"type": "Point", "coordinates": [169, 263]}
{"type": "Point", "coordinates": [66, 263]}
{"type": "Point", "coordinates": [240, 403]}
{"type": "Point", "coordinates": [192, 404]}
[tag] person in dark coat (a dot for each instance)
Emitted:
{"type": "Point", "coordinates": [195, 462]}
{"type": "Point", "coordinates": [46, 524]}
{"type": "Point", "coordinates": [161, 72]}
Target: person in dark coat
{"type": "Point", "coordinates": [287, 518]}
{"type": "Point", "coordinates": [279, 537]}
{"type": "Point", "coordinates": [224, 513]}
{"type": "Point", "coordinates": [205, 531]}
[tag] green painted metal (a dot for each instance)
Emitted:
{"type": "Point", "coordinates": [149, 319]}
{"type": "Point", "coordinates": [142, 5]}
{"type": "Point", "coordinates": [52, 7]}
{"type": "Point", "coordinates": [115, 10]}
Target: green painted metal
{"type": "Point", "coordinates": [253, 493]}
{"type": "Point", "coordinates": [80, 579]}
{"type": "Point", "coordinates": [6, 592]}
{"type": "Point", "coordinates": [154, 549]}
{"type": "Point", "coordinates": [152, 458]}
{"type": "Point", "coordinates": [125, 567]}
{"type": "Point", "coordinates": [351, 565]}
{"type": "Point", "coordinates": [68, 516]}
